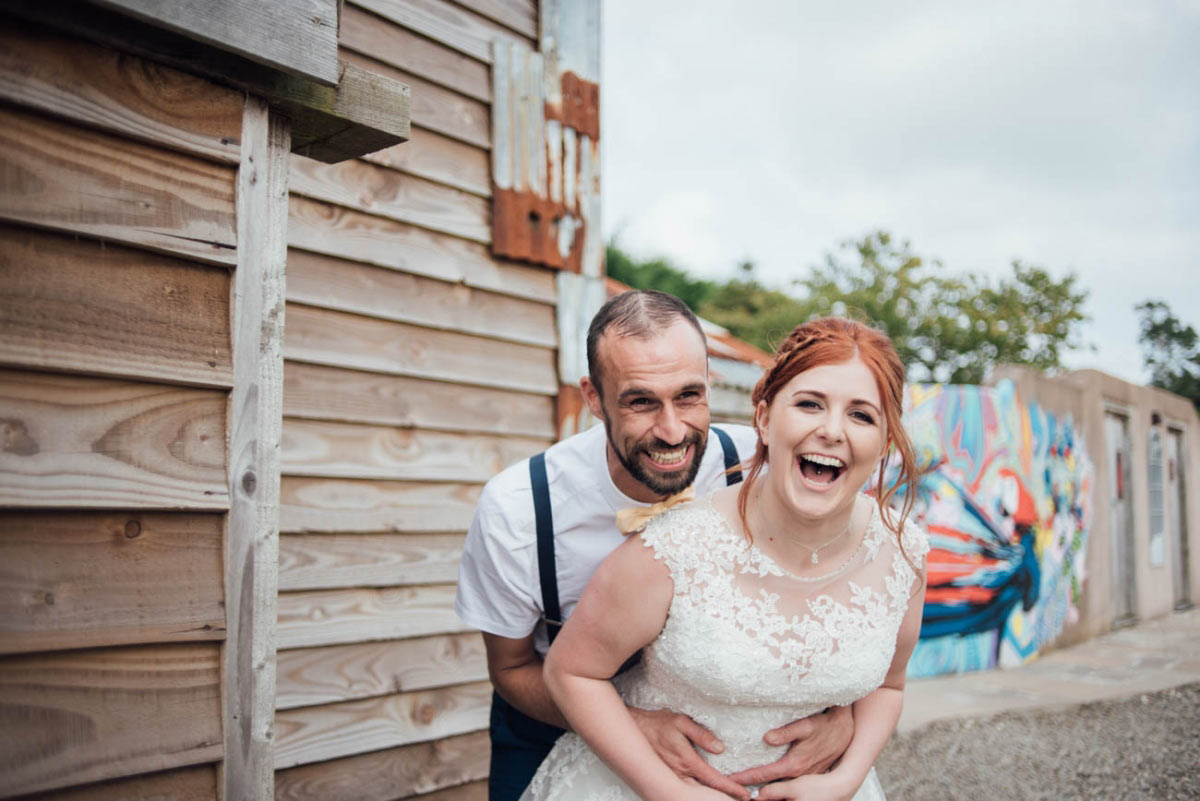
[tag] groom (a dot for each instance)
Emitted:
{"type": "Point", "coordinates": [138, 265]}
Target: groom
{"type": "Point", "coordinates": [543, 526]}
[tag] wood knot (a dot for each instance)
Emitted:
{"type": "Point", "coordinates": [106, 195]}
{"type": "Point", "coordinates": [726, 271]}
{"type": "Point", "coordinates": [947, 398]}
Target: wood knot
{"type": "Point", "coordinates": [133, 529]}
{"type": "Point", "coordinates": [49, 599]}
{"type": "Point", "coordinates": [249, 483]}
{"type": "Point", "coordinates": [426, 713]}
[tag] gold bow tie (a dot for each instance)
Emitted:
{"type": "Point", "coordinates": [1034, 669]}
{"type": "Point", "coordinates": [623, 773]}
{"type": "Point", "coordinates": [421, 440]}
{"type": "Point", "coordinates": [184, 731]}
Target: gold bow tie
{"type": "Point", "coordinates": [635, 518]}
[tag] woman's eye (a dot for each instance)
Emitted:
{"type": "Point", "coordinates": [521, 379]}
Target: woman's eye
{"type": "Point", "coordinates": [808, 404]}
{"type": "Point", "coordinates": [866, 418]}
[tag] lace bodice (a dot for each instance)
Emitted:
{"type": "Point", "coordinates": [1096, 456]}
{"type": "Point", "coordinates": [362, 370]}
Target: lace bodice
{"type": "Point", "coordinates": [748, 647]}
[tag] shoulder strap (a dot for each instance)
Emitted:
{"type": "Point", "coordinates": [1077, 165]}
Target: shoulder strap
{"type": "Point", "coordinates": [732, 476]}
{"type": "Point", "coordinates": [544, 522]}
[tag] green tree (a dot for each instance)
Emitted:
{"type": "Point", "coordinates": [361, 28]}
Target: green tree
{"type": "Point", "coordinates": [752, 312]}
{"type": "Point", "coordinates": [657, 274]}
{"type": "Point", "coordinates": [1170, 350]}
{"type": "Point", "coordinates": [949, 328]}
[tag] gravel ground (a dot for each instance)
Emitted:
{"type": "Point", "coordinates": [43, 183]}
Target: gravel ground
{"type": "Point", "coordinates": [1144, 747]}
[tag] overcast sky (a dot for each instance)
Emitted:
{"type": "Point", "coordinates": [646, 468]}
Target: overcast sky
{"type": "Point", "coordinates": [1064, 134]}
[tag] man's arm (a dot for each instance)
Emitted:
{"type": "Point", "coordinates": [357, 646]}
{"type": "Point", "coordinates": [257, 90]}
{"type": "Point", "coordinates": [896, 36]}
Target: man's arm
{"type": "Point", "coordinates": [817, 743]}
{"type": "Point", "coordinates": [516, 672]}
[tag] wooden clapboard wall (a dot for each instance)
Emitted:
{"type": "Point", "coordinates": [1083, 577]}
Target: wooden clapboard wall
{"type": "Point", "coordinates": [126, 189]}
{"type": "Point", "coordinates": [416, 366]}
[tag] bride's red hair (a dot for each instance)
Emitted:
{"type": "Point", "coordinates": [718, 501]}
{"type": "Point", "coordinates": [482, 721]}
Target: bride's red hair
{"type": "Point", "coordinates": [833, 340]}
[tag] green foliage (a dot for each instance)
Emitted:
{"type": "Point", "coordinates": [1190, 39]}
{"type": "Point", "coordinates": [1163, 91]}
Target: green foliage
{"type": "Point", "coordinates": [946, 328]}
{"type": "Point", "coordinates": [1170, 350]}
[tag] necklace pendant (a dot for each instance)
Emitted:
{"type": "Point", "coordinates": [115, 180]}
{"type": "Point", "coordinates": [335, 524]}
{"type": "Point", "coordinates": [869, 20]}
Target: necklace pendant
{"type": "Point", "coordinates": [814, 557]}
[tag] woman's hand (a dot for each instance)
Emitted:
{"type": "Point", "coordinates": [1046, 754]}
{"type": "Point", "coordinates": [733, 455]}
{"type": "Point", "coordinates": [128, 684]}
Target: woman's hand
{"type": "Point", "coordinates": [817, 787]}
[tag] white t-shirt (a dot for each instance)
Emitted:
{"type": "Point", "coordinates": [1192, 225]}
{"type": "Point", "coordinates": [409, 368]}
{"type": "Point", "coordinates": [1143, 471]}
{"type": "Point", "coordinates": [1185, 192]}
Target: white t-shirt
{"type": "Point", "coordinates": [498, 587]}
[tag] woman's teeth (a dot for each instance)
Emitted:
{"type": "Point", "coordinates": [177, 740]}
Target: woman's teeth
{"type": "Point", "coordinates": [821, 469]}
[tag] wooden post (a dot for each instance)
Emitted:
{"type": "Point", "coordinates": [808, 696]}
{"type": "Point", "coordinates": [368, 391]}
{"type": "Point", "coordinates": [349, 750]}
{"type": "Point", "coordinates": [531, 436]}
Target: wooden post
{"type": "Point", "coordinates": [255, 421]}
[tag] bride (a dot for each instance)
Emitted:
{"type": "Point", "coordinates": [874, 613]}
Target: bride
{"type": "Point", "coordinates": [760, 604]}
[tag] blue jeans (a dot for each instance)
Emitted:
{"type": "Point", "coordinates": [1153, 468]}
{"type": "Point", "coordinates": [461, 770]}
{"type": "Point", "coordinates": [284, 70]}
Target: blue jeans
{"type": "Point", "coordinates": [519, 745]}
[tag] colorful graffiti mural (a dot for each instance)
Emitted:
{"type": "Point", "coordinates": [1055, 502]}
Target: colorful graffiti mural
{"type": "Point", "coordinates": [1005, 494]}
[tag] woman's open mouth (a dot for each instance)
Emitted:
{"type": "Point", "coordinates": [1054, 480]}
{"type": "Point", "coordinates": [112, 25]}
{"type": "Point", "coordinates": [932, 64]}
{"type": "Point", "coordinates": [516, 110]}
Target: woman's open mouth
{"type": "Point", "coordinates": [817, 468]}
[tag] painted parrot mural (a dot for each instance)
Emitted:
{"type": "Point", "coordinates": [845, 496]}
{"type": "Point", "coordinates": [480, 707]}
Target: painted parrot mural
{"type": "Point", "coordinates": [1004, 493]}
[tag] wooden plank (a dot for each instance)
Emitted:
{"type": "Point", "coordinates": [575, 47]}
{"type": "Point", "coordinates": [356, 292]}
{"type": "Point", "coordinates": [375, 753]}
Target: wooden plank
{"type": "Point", "coordinates": [451, 25]}
{"type": "Point", "coordinates": [326, 504]}
{"type": "Point", "coordinates": [329, 617]}
{"type": "Point", "coordinates": [83, 305]}
{"type": "Point", "coordinates": [391, 295]}
{"type": "Point", "coordinates": [432, 106]}
{"type": "Point", "coordinates": [441, 159]}
{"type": "Point", "coordinates": [519, 15]}
{"type": "Point", "coordinates": [388, 193]}
{"type": "Point", "coordinates": [320, 336]}
{"type": "Point", "coordinates": [341, 232]}
{"type": "Point", "coordinates": [392, 773]}
{"type": "Point", "coordinates": [122, 94]}
{"type": "Point", "coordinates": [334, 561]}
{"type": "Point", "coordinates": [299, 37]}
{"type": "Point", "coordinates": [377, 38]}
{"type": "Point", "coordinates": [474, 791]}
{"type": "Point", "coordinates": [314, 734]}
{"type": "Point", "coordinates": [84, 580]}
{"type": "Point", "coordinates": [197, 783]}
{"type": "Point", "coordinates": [311, 676]}
{"type": "Point", "coordinates": [330, 393]}
{"type": "Point", "coordinates": [256, 404]}
{"type": "Point", "coordinates": [341, 450]}
{"type": "Point", "coordinates": [100, 443]}
{"type": "Point", "coordinates": [83, 716]}
{"type": "Point", "coordinates": [362, 113]}
{"type": "Point", "coordinates": [60, 176]}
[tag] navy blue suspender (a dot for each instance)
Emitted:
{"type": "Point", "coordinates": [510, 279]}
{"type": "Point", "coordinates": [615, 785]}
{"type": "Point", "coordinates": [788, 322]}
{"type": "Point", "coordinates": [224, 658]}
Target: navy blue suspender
{"type": "Point", "coordinates": [544, 524]}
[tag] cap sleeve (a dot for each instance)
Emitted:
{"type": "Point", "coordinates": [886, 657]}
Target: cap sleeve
{"type": "Point", "coordinates": [683, 538]}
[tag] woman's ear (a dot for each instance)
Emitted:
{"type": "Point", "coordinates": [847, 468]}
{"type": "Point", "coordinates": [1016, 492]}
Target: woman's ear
{"type": "Point", "coordinates": [761, 420]}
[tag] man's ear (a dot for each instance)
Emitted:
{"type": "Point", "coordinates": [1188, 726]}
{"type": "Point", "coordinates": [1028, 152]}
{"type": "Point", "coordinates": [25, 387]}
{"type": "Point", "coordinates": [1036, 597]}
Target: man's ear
{"type": "Point", "coordinates": [591, 394]}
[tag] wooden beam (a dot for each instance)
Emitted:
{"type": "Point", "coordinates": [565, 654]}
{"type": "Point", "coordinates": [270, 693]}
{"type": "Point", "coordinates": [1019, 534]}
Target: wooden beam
{"type": "Point", "coordinates": [103, 713]}
{"type": "Point", "coordinates": [90, 443]}
{"type": "Point", "coordinates": [60, 176]}
{"type": "Point", "coordinates": [87, 306]}
{"type": "Point", "coordinates": [102, 88]}
{"type": "Point", "coordinates": [197, 783]}
{"type": "Point", "coordinates": [81, 580]}
{"type": "Point", "coordinates": [319, 733]}
{"type": "Point", "coordinates": [252, 538]}
{"type": "Point", "coordinates": [336, 561]}
{"type": "Point", "coordinates": [327, 504]}
{"type": "Point", "coordinates": [313, 676]}
{"type": "Point", "coordinates": [362, 113]}
{"type": "Point", "coordinates": [391, 773]}
{"type": "Point", "coordinates": [316, 392]}
{"type": "Point", "coordinates": [299, 37]}
{"type": "Point", "coordinates": [332, 617]}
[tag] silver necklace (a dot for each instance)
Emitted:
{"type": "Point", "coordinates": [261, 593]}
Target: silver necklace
{"type": "Point", "coordinates": [820, 548]}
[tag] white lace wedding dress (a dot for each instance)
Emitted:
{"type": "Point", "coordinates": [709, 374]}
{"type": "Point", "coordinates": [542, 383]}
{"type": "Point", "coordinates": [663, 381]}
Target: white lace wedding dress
{"type": "Point", "coordinates": [748, 647]}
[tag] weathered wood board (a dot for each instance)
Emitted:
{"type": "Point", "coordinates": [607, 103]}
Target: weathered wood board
{"type": "Point", "coordinates": [330, 393]}
{"type": "Point", "coordinates": [388, 193]}
{"type": "Point", "coordinates": [327, 504]}
{"type": "Point", "coordinates": [441, 159]}
{"type": "Point", "coordinates": [344, 233]}
{"type": "Point", "coordinates": [81, 580]}
{"type": "Point", "coordinates": [83, 716]}
{"type": "Point", "coordinates": [312, 448]}
{"type": "Point", "coordinates": [398, 47]}
{"type": "Point", "coordinates": [448, 24]}
{"type": "Point", "coordinates": [331, 617]}
{"type": "Point", "coordinates": [102, 443]}
{"type": "Point", "coordinates": [337, 339]}
{"type": "Point", "coordinates": [473, 791]}
{"type": "Point", "coordinates": [82, 305]}
{"type": "Point", "coordinates": [118, 93]}
{"type": "Point", "coordinates": [60, 176]}
{"type": "Point", "coordinates": [313, 734]}
{"type": "Point", "coordinates": [393, 773]}
{"type": "Point", "coordinates": [332, 561]}
{"type": "Point", "coordinates": [391, 295]}
{"type": "Point", "coordinates": [519, 15]}
{"type": "Point", "coordinates": [312, 676]}
{"type": "Point", "coordinates": [197, 783]}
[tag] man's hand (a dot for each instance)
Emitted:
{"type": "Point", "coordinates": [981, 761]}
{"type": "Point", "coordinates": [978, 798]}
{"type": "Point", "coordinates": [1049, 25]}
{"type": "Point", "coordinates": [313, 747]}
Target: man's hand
{"type": "Point", "coordinates": [672, 736]}
{"type": "Point", "coordinates": [817, 743]}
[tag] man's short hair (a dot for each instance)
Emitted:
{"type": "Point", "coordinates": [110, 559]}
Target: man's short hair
{"type": "Point", "coordinates": [640, 313]}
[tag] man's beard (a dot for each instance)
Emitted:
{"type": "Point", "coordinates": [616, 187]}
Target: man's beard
{"type": "Point", "coordinates": [657, 482]}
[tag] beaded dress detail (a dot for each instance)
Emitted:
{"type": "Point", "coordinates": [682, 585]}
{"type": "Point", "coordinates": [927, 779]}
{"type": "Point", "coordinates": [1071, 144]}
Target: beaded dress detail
{"type": "Point", "coordinates": [748, 647]}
